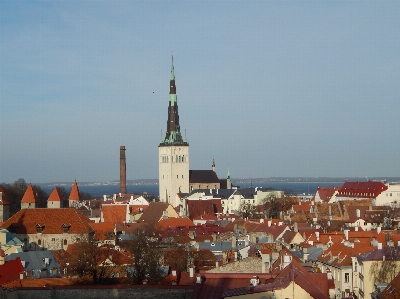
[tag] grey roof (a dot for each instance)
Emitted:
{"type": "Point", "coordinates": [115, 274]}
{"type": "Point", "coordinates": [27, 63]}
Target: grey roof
{"type": "Point", "coordinates": [221, 246]}
{"type": "Point", "coordinates": [35, 260]}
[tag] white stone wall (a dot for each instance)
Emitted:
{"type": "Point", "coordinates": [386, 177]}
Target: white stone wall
{"type": "Point", "coordinates": [49, 241]}
{"type": "Point", "coordinates": [173, 172]}
{"type": "Point", "coordinates": [389, 197]}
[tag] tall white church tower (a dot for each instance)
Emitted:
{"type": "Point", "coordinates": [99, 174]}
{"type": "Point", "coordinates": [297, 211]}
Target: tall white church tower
{"type": "Point", "coordinates": [173, 153]}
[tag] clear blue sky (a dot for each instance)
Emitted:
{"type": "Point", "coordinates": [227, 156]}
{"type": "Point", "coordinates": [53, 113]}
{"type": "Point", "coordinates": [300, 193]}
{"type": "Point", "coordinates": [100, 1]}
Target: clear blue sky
{"type": "Point", "coordinates": [285, 88]}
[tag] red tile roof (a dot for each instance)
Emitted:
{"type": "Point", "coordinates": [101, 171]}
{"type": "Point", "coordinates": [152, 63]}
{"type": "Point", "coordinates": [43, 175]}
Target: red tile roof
{"type": "Point", "coordinates": [174, 222]}
{"type": "Point", "coordinates": [114, 213]}
{"type": "Point", "coordinates": [326, 193]}
{"type": "Point", "coordinates": [368, 189]}
{"type": "Point", "coordinates": [25, 221]}
{"type": "Point", "coordinates": [9, 273]}
{"type": "Point", "coordinates": [29, 195]}
{"type": "Point", "coordinates": [74, 195]}
{"type": "Point", "coordinates": [198, 207]}
{"type": "Point", "coordinates": [55, 195]}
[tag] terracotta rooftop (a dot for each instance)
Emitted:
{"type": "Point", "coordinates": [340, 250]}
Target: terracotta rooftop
{"type": "Point", "coordinates": [9, 273]}
{"type": "Point", "coordinates": [174, 222]}
{"type": "Point", "coordinates": [29, 195]}
{"type": "Point", "coordinates": [52, 220]}
{"type": "Point", "coordinates": [154, 212]}
{"type": "Point", "coordinates": [198, 207]}
{"type": "Point", "coordinates": [74, 194]}
{"type": "Point", "coordinates": [368, 189]}
{"type": "Point", "coordinates": [114, 213]}
{"type": "Point", "coordinates": [55, 195]}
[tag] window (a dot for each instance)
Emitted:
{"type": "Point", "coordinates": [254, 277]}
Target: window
{"type": "Point", "coordinates": [65, 242]}
{"type": "Point", "coordinates": [53, 239]}
{"type": "Point", "coordinates": [39, 242]}
{"type": "Point", "coordinates": [346, 277]}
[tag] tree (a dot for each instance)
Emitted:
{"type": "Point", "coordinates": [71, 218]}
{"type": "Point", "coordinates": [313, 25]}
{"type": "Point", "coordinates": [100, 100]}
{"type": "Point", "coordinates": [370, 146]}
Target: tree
{"type": "Point", "coordinates": [147, 249]}
{"type": "Point", "coordinates": [384, 271]}
{"type": "Point", "coordinates": [16, 191]}
{"type": "Point", "coordinates": [246, 210]}
{"type": "Point", "coordinates": [177, 259]}
{"type": "Point", "coordinates": [92, 260]}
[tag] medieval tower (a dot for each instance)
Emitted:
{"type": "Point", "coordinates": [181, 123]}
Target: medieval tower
{"type": "Point", "coordinates": [173, 153]}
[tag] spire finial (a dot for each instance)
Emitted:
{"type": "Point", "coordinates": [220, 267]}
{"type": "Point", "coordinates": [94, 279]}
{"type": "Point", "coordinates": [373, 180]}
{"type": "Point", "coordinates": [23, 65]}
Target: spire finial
{"type": "Point", "coordinates": [172, 68]}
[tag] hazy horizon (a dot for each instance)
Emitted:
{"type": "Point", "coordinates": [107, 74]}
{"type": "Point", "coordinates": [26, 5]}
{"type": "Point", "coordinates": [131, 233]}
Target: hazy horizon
{"type": "Point", "coordinates": [266, 88]}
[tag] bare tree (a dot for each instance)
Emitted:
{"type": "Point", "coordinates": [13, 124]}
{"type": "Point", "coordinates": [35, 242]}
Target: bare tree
{"type": "Point", "coordinates": [92, 260]}
{"type": "Point", "coordinates": [387, 269]}
{"type": "Point", "coordinates": [246, 210]}
{"type": "Point", "coordinates": [147, 249]}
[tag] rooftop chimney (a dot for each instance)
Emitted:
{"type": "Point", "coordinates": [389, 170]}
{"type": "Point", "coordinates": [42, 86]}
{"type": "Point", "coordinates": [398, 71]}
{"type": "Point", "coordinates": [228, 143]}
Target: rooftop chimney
{"type": "Point", "coordinates": [122, 170]}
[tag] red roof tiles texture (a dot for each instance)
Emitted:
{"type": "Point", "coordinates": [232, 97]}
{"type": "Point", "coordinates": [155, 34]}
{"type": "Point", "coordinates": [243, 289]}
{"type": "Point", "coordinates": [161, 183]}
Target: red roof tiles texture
{"type": "Point", "coordinates": [55, 195]}
{"type": "Point", "coordinates": [74, 194]}
{"type": "Point", "coordinates": [25, 221]}
{"type": "Point", "coordinates": [29, 195]}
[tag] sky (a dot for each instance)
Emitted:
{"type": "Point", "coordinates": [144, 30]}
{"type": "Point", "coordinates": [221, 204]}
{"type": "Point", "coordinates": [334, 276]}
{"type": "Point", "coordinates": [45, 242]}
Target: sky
{"type": "Point", "coordinates": [266, 88]}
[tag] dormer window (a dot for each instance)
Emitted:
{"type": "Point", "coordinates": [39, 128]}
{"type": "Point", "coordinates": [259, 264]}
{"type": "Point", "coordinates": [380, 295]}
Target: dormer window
{"type": "Point", "coordinates": [39, 228]}
{"type": "Point", "coordinates": [65, 228]}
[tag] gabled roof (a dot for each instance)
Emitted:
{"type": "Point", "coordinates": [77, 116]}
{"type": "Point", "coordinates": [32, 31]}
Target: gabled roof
{"type": "Point", "coordinates": [315, 284]}
{"type": "Point", "coordinates": [9, 273]}
{"type": "Point", "coordinates": [25, 221]}
{"type": "Point", "coordinates": [114, 213]}
{"type": "Point", "coordinates": [154, 212]}
{"type": "Point", "coordinates": [392, 290]}
{"type": "Point", "coordinates": [29, 195]}
{"type": "Point", "coordinates": [35, 260]}
{"type": "Point", "coordinates": [198, 207]}
{"type": "Point", "coordinates": [74, 194]}
{"type": "Point", "coordinates": [203, 176]}
{"type": "Point", "coordinates": [174, 222]}
{"type": "Point", "coordinates": [340, 255]}
{"type": "Point", "coordinates": [326, 193]}
{"type": "Point", "coordinates": [4, 199]}
{"type": "Point", "coordinates": [390, 253]}
{"type": "Point", "coordinates": [55, 195]}
{"type": "Point", "coordinates": [368, 189]}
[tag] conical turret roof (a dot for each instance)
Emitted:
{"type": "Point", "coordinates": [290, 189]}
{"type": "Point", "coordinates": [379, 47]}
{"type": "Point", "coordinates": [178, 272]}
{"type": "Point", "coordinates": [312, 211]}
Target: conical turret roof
{"type": "Point", "coordinates": [29, 195]}
{"type": "Point", "coordinates": [55, 195]}
{"type": "Point", "coordinates": [74, 195]}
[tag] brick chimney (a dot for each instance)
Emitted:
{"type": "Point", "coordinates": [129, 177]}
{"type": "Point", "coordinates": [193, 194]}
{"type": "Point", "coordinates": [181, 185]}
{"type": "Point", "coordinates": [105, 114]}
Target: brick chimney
{"type": "Point", "coordinates": [122, 170]}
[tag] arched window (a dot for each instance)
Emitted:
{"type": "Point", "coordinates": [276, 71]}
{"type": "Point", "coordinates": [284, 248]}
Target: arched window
{"type": "Point", "coordinates": [65, 242]}
{"type": "Point", "coordinates": [39, 242]}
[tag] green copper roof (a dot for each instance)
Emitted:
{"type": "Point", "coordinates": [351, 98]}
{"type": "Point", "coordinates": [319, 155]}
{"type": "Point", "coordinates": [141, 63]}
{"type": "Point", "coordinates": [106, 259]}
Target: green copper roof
{"type": "Point", "coordinates": [229, 175]}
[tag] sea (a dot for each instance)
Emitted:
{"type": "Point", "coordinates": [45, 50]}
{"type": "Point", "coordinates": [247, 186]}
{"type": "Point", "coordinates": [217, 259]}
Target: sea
{"type": "Point", "coordinates": [300, 188]}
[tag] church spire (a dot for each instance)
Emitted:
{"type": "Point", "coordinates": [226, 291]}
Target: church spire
{"type": "Point", "coordinates": [173, 135]}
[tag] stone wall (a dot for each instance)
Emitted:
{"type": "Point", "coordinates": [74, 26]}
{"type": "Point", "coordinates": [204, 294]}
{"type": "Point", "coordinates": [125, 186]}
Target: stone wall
{"type": "Point", "coordinates": [121, 292]}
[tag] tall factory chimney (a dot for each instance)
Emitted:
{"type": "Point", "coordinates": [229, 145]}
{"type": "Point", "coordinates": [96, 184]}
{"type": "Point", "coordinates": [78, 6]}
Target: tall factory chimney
{"type": "Point", "coordinates": [122, 170]}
